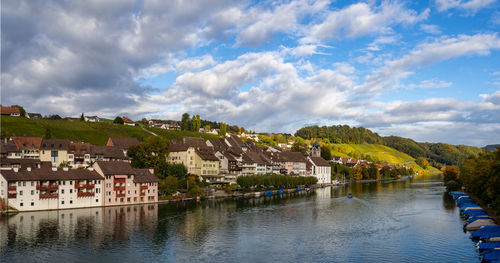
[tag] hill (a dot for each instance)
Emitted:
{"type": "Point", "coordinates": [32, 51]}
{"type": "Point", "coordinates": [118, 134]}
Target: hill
{"type": "Point", "coordinates": [438, 152]}
{"type": "Point", "coordinates": [95, 133]}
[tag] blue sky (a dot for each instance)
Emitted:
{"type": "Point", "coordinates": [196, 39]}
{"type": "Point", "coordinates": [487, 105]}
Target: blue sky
{"type": "Point", "coordinates": [427, 70]}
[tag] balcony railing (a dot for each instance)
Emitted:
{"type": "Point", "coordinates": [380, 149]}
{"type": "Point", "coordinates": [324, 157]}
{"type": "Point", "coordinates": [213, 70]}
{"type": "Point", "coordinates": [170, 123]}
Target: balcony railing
{"type": "Point", "coordinates": [144, 187]}
{"type": "Point", "coordinates": [12, 188]}
{"type": "Point", "coordinates": [47, 187]}
{"type": "Point", "coordinates": [119, 188]}
{"type": "Point", "coordinates": [85, 194]}
{"type": "Point", "coordinates": [119, 180]}
{"type": "Point", "coordinates": [11, 195]}
{"type": "Point", "coordinates": [142, 193]}
{"type": "Point", "coordinates": [84, 186]}
{"type": "Point", "coordinates": [120, 195]}
{"type": "Point", "coordinates": [49, 196]}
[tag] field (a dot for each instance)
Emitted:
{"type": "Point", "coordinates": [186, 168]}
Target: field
{"type": "Point", "coordinates": [95, 133]}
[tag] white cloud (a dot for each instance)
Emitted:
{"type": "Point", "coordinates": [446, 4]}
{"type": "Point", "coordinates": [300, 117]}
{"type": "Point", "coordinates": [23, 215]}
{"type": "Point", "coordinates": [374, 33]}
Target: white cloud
{"type": "Point", "coordinates": [471, 6]}
{"type": "Point", "coordinates": [427, 54]}
{"type": "Point", "coordinates": [194, 63]}
{"type": "Point", "coordinates": [362, 19]}
{"type": "Point", "coordinates": [431, 29]}
{"type": "Point", "coordinates": [430, 84]}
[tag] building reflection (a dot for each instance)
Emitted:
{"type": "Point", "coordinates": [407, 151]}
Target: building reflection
{"type": "Point", "coordinates": [97, 225]}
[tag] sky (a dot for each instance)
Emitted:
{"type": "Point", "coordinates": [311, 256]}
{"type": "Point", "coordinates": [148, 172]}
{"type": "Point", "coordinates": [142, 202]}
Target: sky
{"type": "Point", "coordinates": [426, 70]}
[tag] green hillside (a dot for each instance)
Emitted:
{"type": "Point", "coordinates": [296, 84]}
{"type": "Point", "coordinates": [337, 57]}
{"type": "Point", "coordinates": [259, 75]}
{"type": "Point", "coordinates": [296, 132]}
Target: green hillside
{"type": "Point", "coordinates": [95, 133]}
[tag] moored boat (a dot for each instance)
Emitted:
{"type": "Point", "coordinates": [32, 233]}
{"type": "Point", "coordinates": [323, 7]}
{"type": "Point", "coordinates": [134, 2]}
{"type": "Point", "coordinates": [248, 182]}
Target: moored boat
{"type": "Point", "coordinates": [349, 195]}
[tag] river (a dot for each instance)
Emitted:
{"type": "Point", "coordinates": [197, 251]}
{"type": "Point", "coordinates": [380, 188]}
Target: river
{"type": "Point", "coordinates": [405, 221]}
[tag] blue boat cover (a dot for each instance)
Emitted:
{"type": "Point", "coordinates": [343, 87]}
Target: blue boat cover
{"type": "Point", "coordinates": [491, 255]}
{"type": "Point", "coordinates": [464, 206]}
{"type": "Point", "coordinates": [488, 245]}
{"type": "Point", "coordinates": [475, 212]}
{"type": "Point", "coordinates": [485, 229]}
{"type": "Point", "coordinates": [456, 192]}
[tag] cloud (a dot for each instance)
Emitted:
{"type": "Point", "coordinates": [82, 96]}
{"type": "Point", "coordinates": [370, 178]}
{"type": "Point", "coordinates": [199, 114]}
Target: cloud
{"type": "Point", "coordinates": [471, 6]}
{"type": "Point", "coordinates": [430, 84]}
{"type": "Point", "coordinates": [426, 54]}
{"type": "Point", "coordinates": [362, 19]}
{"type": "Point", "coordinates": [431, 29]}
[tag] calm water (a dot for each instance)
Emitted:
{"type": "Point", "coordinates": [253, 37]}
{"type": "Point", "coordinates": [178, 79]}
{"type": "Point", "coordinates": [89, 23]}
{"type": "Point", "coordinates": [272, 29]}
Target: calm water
{"type": "Point", "coordinates": [410, 221]}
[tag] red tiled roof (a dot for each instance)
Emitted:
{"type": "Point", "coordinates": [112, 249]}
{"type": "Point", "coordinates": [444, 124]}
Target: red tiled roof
{"type": "Point", "coordinates": [318, 161]}
{"type": "Point", "coordinates": [115, 167]}
{"type": "Point", "coordinates": [127, 120]}
{"type": "Point", "coordinates": [9, 110]}
{"type": "Point", "coordinates": [144, 176]}
{"type": "Point", "coordinates": [46, 173]}
{"type": "Point", "coordinates": [124, 142]}
{"type": "Point", "coordinates": [26, 142]}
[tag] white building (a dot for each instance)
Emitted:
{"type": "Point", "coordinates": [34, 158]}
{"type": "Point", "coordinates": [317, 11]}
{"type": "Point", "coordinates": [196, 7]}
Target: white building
{"type": "Point", "coordinates": [320, 169]}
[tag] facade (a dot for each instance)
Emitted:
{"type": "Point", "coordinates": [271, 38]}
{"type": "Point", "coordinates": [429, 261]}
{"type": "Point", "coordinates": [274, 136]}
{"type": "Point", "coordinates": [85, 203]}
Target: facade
{"type": "Point", "coordinates": [124, 185]}
{"type": "Point", "coordinates": [91, 118]}
{"type": "Point", "coordinates": [33, 115]}
{"type": "Point", "coordinates": [127, 121]}
{"type": "Point", "coordinates": [9, 150]}
{"type": "Point", "coordinates": [206, 164]}
{"type": "Point", "coordinates": [79, 154]}
{"type": "Point", "coordinates": [320, 168]}
{"type": "Point", "coordinates": [106, 153]}
{"type": "Point", "coordinates": [182, 154]}
{"type": "Point", "coordinates": [295, 163]}
{"type": "Point", "coordinates": [54, 151]}
{"type": "Point", "coordinates": [45, 188]}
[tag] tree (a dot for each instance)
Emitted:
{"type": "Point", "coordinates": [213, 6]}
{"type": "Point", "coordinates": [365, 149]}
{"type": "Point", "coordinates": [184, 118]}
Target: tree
{"type": "Point", "coordinates": [207, 127]}
{"type": "Point", "coordinates": [450, 173]}
{"type": "Point", "coordinates": [82, 117]}
{"type": "Point", "coordinates": [149, 154]}
{"type": "Point", "coordinates": [198, 123]}
{"type": "Point", "coordinates": [21, 109]}
{"type": "Point", "coordinates": [422, 162]}
{"type": "Point", "coordinates": [118, 120]}
{"type": "Point", "coordinates": [144, 121]}
{"type": "Point", "coordinates": [168, 185]}
{"type": "Point", "coordinates": [54, 117]}
{"type": "Point", "coordinates": [325, 152]}
{"type": "Point", "coordinates": [223, 128]}
{"type": "Point", "coordinates": [373, 171]}
{"type": "Point", "coordinates": [185, 122]}
{"type": "Point", "coordinates": [48, 133]}
{"type": "Point", "coordinates": [299, 146]}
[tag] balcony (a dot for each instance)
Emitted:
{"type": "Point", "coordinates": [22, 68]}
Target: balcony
{"type": "Point", "coordinates": [119, 188]}
{"type": "Point", "coordinates": [144, 187]}
{"type": "Point", "coordinates": [84, 186]}
{"type": "Point", "coordinates": [120, 195]}
{"type": "Point", "coordinates": [143, 193]}
{"type": "Point", "coordinates": [49, 196]}
{"type": "Point", "coordinates": [85, 194]}
{"type": "Point", "coordinates": [11, 195]}
{"type": "Point", "coordinates": [119, 180]}
{"type": "Point", "coordinates": [12, 188]}
{"type": "Point", "coordinates": [47, 187]}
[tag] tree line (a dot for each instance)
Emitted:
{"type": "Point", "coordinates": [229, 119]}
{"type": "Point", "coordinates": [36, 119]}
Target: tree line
{"type": "Point", "coordinates": [275, 180]}
{"type": "Point", "coordinates": [480, 175]}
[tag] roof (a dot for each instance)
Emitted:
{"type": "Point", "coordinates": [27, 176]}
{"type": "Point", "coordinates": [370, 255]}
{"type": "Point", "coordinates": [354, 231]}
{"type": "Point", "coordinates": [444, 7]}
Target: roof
{"type": "Point", "coordinates": [318, 161]}
{"type": "Point", "coordinates": [7, 147]}
{"type": "Point", "coordinates": [43, 174]}
{"type": "Point", "coordinates": [195, 142]}
{"type": "Point", "coordinates": [218, 144]}
{"type": "Point", "coordinates": [177, 146]}
{"type": "Point", "coordinates": [55, 144]}
{"type": "Point", "coordinates": [228, 156]}
{"type": "Point", "coordinates": [27, 142]}
{"type": "Point", "coordinates": [23, 162]}
{"type": "Point", "coordinates": [9, 110]}
{"type": "Point", "coordinates": [125, 119]}
{"type": "Point", "coordinates": [115, 167]}
{"type": "Point", "coordinates": [255, 157]}
{"type": "Point", "coordinates": [207, 155]}
{"type": "Point", "coordinates": [107, 152]}
{"type": "Point", "coordinates": [294, 157]}
{"type": "Point", "coordinates": [124, 142]}
{"type": "Point", "coordinates": [234, 141]}
{"type": "Point", "coordinates": [79, 147]}
{"type": "Point", "coordinates": [144, 176]}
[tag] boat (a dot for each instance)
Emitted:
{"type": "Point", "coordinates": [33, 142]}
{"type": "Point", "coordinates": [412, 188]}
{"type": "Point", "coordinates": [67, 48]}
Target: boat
{"type": "Point", "coordinates": [187, 199]}
{"type": "Point", "coordinates": [268, 193]}
{"type": "Point", "coordinates": [299, 189]}
{"type": "Point", "coordinates": [491, 255]}
{"type": "Point", "coordinates": [280, 192]}
{"type": "Point", "coordinates": [349, 195]}
{"type": "Point", "coordinates": [488, 245]}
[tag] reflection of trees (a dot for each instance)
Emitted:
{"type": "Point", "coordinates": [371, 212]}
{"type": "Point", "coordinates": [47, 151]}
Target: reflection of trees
{"type": "Point", "coordinates": [48, 229]}
{"type": "Point", "coordinates": [448, 203]}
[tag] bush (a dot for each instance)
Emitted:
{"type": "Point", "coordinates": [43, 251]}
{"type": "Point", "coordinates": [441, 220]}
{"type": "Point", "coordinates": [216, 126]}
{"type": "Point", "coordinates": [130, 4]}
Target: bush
{"type": "Point", "coordinates": [278, 181]}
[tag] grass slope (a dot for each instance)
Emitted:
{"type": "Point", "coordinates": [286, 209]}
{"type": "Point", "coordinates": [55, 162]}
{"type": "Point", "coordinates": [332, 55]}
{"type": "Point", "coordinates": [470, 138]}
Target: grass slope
{"type": "Point", "coordinates": [95, 133]}
{"type": "Point", "coordinates": [375, 152]}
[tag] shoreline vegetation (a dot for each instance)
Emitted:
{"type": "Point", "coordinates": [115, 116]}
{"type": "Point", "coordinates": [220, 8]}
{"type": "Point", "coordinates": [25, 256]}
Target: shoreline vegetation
{"type": "Point", "coordinates": [479, 176]}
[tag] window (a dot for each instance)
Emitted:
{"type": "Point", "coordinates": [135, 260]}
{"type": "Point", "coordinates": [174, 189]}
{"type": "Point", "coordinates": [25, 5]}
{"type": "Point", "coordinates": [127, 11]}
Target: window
{"type": "Point", "coordinates": [20, 204]}
{"type": "Point", "coordinates": [70, 191]}
{"type": "Point", "coordinates": [21, 192]}
{"type": "Point", "coordinates": [62, 202]}
{"type": "Point", "coordinates": [109, 200]}
{"type": "Point", "coordinates": [32, 204]}
{"type": "Point", "coordinates": [70, 182]}
{"type": "Point", "coordinates": [62, 191]}
{"type": "Point", "coordinates": [32, 192]}
{"type": "Point", "coordinates": [97, 200]}
{"type": "Point", "coordinates": [32, 183]}
{"type": "Point", "coordinates": [24, 183]}
{"type": "Point", "coordinates": [70, 201]}
{"type": "Point", "coordinates": [64, 182]}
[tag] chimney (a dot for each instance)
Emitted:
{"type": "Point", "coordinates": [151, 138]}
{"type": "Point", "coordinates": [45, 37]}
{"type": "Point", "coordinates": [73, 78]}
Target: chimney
{"type": "Point", "coordinates": [65, 169]}
{"type": "Point", "coordinates": [15, 169]}
{"type": "Point", "coordinates": [91, 168]}
{"type": "Point", "coordinates": [54, 169]}
{"type": "Point", "coordinates": [28, 168]}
